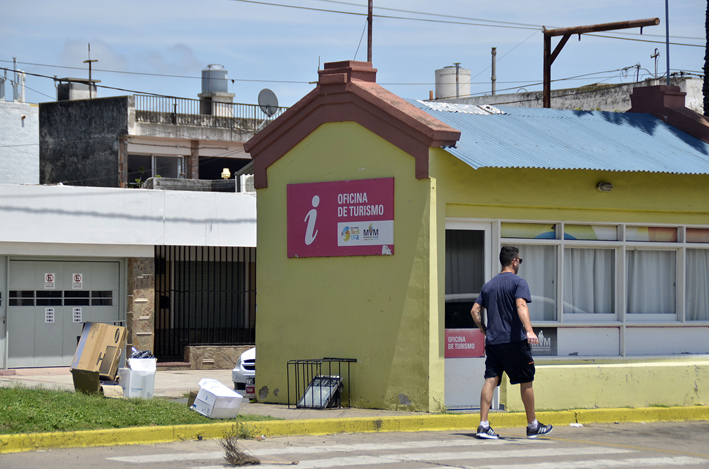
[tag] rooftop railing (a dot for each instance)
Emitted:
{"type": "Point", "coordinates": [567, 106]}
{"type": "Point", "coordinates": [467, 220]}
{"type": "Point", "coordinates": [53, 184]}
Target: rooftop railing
{"type": "Point", "coordinates": [202, 113]}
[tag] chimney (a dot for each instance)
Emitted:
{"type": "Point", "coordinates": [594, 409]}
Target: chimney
{"type": "Point", "coordinates": [654, 99]}
{"type": "Point", "coordinates": [340, 73]}
{"type": "Point", "coordinates": [667, 103]}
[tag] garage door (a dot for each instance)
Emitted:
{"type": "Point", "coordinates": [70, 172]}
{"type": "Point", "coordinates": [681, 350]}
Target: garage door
{"type": "Point", "coordinates": [47, 304]}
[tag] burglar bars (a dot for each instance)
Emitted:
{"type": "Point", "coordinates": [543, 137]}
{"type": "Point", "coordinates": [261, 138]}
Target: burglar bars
{"type": "Point", "coordinates": [203, 296]}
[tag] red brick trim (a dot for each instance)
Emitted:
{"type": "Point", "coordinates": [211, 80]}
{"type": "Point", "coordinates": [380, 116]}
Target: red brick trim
{"type": "Point", "coordinates": [347, 93]}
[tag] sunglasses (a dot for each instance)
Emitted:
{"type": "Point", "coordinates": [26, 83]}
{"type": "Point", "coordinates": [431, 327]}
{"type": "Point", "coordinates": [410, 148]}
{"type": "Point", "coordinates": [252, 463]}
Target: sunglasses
{"type": "Point", "coordinates": [518, 259]}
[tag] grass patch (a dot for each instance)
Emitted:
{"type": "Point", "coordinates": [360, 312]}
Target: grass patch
{"type": "Point", "coordinates": [35, 410]}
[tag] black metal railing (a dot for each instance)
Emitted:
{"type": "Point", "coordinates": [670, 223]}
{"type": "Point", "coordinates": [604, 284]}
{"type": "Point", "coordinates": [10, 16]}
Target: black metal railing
{"type": "Point", "coordinates": [319, 383]}
{"type": "Point", "coordinates": [201, 113]}
{"type": "Point", "coordinates": [203, 296]}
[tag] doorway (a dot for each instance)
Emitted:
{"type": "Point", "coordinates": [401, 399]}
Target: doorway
{"type": "Point", "coordinates": [468, 266]}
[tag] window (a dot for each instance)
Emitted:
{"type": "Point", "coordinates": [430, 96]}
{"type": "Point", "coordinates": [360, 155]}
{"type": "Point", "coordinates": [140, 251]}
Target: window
{"type": "Point", "coordinates": [657, 234]}
{"type": "Point", "coordinates": [465, 275]}
{"type": "Point", "coordinates": [528, 230]}
{"type": "Point", "coordinates": [651, 279]}
{"type": "Point", "coordinates": [697, 293]}
{"type": "Point", "coordinates": [142, 167]}
{"type": "Point", "coordinates": [539, 270]}
{"type": "Point", "coordinates": [589, 281]}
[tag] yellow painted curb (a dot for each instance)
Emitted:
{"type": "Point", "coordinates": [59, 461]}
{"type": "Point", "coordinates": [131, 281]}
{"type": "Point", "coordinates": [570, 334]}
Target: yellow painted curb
{"type": "Point", "coordinates": [405, 423]}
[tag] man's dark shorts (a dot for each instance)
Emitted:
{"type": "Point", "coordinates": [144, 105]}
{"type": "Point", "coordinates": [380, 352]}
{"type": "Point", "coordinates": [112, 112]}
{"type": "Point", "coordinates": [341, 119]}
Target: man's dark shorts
{"type": "Point", "coordinates": [515, 359]}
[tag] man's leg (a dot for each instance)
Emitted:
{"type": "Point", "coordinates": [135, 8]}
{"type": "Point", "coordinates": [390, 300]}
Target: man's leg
{"type": "Point", "coordinates": [527, 392]}
{"type": "Point", "coordinates": [486, 397]}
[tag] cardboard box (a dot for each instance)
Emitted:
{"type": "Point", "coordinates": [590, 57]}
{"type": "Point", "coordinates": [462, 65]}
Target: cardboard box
{"type": "Point", "coordinates": [216, 401]}
{"type": "Point", "coordinates": [100, 349]}
{"type": "Point", "coordinates": [89, 382]}
{"type": "Point", "coordinates": [139, 379]}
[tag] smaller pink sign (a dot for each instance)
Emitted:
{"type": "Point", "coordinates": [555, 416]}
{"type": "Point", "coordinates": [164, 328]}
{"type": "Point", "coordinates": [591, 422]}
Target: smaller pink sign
{"type": "Point", "coordinates": [464, 343]}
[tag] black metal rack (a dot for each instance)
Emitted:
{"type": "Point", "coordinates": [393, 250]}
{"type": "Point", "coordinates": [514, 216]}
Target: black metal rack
{"type": "Point", "coordinates": [319, 383]}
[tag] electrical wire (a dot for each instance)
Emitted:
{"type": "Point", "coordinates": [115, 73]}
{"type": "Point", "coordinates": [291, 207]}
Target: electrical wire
{"type": "Point", "coordinates": [384, 16]}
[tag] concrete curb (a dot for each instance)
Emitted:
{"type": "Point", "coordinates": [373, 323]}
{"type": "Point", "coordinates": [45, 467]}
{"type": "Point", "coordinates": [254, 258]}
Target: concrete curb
{"type": "Point", "coordinates": [438, 422]}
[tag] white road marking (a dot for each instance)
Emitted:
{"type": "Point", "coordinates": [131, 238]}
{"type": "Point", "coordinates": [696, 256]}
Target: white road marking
{"type": "Point", "coordinates": [465, 442]}
{"type": "Point", "coordinates": [527, 454]}
{"type": "Point", "coordinates": [600, 463]}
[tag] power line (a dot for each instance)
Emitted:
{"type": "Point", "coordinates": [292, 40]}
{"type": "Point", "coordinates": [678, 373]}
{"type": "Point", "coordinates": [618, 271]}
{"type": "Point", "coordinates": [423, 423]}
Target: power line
{"type": "Point", "coordinates": [384, 16]}
{"type": "Point", "coordinates": [491, 21]}
{"type": "Point", "coordinates": [148, 74]}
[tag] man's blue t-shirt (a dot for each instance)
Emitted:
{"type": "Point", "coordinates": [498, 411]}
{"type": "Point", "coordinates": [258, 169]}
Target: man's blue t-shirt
{"type": "Point", "coordinates": [499, 296]}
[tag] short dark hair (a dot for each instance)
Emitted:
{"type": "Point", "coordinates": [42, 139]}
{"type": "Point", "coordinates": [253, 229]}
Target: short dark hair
{"type": "Point", "coordinates": [507, 255]}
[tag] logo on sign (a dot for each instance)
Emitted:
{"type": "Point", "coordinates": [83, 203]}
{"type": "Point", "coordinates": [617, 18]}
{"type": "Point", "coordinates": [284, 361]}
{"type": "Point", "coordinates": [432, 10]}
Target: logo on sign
{"type": "Point", "coordinates": [310, 219]}
{"type": "Point", "coordinates": [370, 233]}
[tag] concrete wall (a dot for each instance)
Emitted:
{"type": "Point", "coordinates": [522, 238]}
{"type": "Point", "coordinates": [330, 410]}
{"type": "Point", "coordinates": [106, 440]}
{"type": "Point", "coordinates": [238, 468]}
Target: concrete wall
{"type": "Point", "coordinates": [599, 97]}
{"type": "Point", "coordinates": [680, 382]}
{"type": "Point", "coordinates": [19, 143]}
{"type": "Point", "coordinates": [80, 141]}
{"type": "Point", "coordinates": [66, 220]}
{"type": "Point", "coordinates": [379, 310]}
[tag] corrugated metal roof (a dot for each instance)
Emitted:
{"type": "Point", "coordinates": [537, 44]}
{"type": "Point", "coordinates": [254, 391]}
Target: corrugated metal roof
{"type": "Point", "coordinates": [509, 137]}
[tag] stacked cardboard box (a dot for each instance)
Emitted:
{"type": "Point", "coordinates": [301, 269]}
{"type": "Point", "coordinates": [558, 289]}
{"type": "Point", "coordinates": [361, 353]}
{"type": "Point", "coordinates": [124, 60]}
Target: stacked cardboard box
{"type": "Point", "coordinates": [97, 358]}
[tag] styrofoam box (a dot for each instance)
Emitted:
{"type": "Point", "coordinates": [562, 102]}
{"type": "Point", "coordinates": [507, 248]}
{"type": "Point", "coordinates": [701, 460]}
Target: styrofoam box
{"type": "Point", "coordinates": [139, 380]}
{"type": "Point", "coordinates": [216, 401]}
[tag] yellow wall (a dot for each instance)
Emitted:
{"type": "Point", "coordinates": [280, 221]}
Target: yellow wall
{"type": "Point", "coordinates": [678, 382]}
{"type": "Point", "coordinates": [539, 194]}
{"type": "Point", "coordinates": [376, 309]}
{"type": "Point", "coordinates": [571, 195]}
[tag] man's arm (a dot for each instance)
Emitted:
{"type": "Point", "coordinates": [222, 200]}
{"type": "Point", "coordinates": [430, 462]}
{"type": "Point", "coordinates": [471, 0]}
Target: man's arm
{"type": "Point", "coordinates": [475, 313]}
{"type": "Point", "coordinates": [523, 313]}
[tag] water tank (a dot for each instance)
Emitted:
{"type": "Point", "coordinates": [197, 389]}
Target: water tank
{"type": "Point", "coordinates": [445, 82]}
{"type": "Point", "coordinates": [214, 79]}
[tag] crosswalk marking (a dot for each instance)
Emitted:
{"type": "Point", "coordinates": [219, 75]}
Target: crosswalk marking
{"type": "Point", "coordinates": [465, 442]}
{"type": "Point", "coordinates": [600, 463]}
{"type": "Point", "coordinates": [527, 454]}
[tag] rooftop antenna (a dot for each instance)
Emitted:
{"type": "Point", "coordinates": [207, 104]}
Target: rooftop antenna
{"type": "Point", "coordinates": [369, 31]}
{"type": "Point", "coordinates": [655, 56]}
{"type": "Point", "coordinates": [90, 62]}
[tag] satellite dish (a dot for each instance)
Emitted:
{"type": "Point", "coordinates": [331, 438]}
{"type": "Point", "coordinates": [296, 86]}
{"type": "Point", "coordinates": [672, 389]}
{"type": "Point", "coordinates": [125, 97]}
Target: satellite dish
{"type": "Point", "coordinates": [268, 102]}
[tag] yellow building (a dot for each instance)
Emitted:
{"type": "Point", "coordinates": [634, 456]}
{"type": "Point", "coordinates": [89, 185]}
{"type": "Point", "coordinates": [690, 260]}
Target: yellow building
{"type": "Point", "coordinates": [380, 218]}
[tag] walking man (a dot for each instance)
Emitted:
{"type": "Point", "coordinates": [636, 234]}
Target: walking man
{"type": "Point", "coordinates": [507, 340]}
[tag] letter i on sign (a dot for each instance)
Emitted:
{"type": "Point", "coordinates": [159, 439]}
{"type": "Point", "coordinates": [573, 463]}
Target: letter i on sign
{"type": "Point", "coordinates": [310, 218]}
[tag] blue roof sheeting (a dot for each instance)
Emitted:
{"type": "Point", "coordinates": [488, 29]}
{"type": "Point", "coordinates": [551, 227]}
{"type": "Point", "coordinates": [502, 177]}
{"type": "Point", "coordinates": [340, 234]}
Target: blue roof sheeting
{"type": "Point", "coordinates": [509, 137]}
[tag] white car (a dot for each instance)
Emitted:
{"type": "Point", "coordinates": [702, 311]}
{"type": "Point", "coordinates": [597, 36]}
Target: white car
{"type": "Point", "coordinates": [244, 374]}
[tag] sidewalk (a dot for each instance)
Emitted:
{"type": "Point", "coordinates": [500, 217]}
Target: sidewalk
{"type": "Point", "coordinates": [175, 384]}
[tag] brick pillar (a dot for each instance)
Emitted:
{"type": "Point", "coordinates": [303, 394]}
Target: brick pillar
{"type": "Point", "coordinates": [192, 170]}
{"type": "Point", "coordinates": [141, 303]}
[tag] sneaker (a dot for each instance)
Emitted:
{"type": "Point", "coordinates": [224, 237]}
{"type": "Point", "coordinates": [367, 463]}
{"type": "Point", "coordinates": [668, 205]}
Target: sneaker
{"type": "Point", "coordinates": [487, 433]}
{"type": "Point", "coordinates": [541, 430]}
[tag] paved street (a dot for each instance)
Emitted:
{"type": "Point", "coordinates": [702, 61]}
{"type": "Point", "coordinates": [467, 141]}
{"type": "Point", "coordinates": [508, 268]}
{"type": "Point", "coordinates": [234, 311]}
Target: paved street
{"type": "Point", "coordinates": [684, 444]}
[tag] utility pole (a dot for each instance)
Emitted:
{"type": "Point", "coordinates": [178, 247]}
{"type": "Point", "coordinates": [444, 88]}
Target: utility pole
{"type": "Point", "coordinates": [566, 33]}
{"type": "Point", "coordinates": [667, 38]}
{"type": "Point", "coordinates": [457, 79]}
{"type": "Point", "coordinates": [494, 70]}
{"type": "Point", "coordinates": [369, 31]}
{"type": "Point", "coordinates": [90, 62]}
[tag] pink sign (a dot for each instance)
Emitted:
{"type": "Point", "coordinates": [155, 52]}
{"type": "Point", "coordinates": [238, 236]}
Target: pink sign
{"type": "Point", "coordinates": [341, 218]}
{"type": "Point", "coordinates": [464, 343]}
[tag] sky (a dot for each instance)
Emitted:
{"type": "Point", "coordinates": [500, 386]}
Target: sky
{"type": "Point", "coordinates": [161, 47]}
